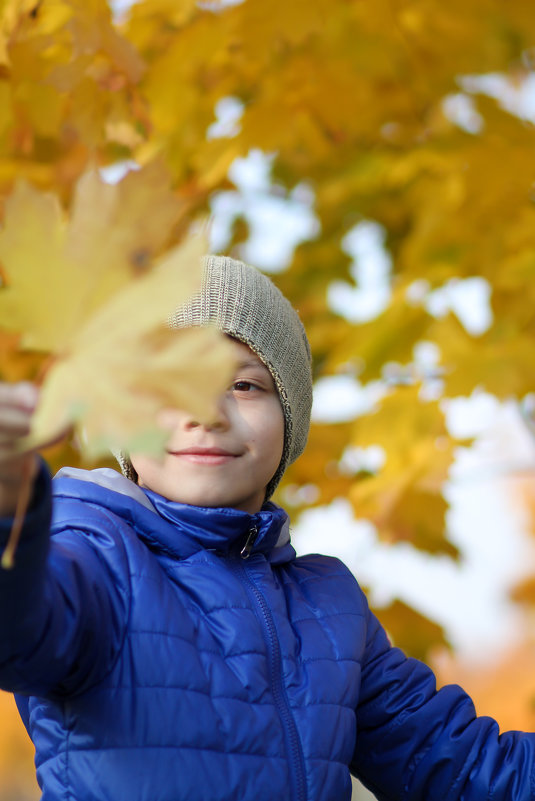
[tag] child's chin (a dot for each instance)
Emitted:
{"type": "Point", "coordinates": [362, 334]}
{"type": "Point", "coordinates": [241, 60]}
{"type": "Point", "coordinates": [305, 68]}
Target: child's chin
{"type": "Point", "coordinates": [211, 502]}
{"type": "Point", "coordinates": [205, 499]}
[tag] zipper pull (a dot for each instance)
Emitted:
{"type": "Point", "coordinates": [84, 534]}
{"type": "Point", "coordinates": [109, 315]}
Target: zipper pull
{"type": "Point", "coordinates": [248, 547]}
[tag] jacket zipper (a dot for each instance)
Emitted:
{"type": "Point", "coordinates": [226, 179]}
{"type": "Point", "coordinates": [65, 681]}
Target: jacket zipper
{"type": "Point", "coordinates": [297, 762]}
{"type": "Point", "coordinates": [249, 542]}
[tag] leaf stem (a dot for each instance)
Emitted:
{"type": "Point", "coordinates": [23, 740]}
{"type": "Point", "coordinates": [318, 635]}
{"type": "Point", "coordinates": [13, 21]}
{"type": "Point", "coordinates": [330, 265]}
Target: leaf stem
{"type": "Point", "coordinates": [8, 557]}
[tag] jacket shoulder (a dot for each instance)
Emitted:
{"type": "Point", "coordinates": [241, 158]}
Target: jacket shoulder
{"type": "Point", "coordinates": [327, 583]}
{"type": "Point", "coordinates": [328, 568]}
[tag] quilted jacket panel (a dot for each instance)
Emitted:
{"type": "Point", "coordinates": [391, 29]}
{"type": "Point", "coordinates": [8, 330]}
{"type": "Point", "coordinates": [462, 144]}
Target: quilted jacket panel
{"type": "Point", "coordinates": [153, 663]}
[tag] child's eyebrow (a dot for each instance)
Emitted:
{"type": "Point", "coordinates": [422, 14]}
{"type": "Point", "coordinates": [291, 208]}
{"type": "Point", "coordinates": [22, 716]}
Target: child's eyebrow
{"type": "Point", "coordinates": [252, 363]}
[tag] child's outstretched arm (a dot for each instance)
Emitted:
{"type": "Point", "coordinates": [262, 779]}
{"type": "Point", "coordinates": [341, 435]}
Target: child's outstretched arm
{"type": "Point", "coordinates": [62, 608]}
{"type": "Point", "coordinates": [417, 744]}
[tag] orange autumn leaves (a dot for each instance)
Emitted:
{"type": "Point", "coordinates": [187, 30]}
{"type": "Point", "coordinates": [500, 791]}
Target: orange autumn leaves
{"type": "Point", "coordinates": [83, 288]}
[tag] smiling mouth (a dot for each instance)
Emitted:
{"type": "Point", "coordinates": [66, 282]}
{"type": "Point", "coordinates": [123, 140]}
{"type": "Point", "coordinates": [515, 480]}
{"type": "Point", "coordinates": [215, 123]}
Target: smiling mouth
{"type": "Point", "coordinates": [208, 456]}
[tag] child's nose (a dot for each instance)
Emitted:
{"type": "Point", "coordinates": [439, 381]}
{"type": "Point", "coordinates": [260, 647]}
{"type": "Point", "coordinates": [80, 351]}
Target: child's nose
{"type": "Point", "coordinates": [218, 422]}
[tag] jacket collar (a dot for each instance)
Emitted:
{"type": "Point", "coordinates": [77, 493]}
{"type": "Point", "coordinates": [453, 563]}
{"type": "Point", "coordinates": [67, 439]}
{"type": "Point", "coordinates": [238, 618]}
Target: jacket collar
{"type": "Point", "coordinates": [224, 530]}
{"type": "Point", "coordinates": [179, 529]}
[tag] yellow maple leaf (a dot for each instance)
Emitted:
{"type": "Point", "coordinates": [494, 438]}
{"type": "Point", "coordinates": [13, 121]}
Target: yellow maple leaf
{"type": "Point", "coordinates": [134, 222]}
{"type": "Point", "coordinates": [74, 264]}
{"type": "Point", "coordinates": [78, 289]}
{"type": "Point", "coordinates": [38, 276]}
{"type": "Point", "coordinates": [124, 365]}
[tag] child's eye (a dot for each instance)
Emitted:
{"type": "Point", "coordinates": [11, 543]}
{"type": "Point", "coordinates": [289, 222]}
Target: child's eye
{"type": "Point", "coordinates": [243, 386]}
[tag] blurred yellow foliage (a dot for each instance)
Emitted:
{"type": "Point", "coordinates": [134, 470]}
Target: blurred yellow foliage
{"type": "Point", "coordinates": [354, 101]}
{"type": "Point", "coordinates": [17, 782]}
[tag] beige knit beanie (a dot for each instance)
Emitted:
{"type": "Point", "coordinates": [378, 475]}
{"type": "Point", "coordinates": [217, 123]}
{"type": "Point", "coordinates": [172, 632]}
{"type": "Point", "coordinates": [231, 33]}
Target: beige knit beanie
{"type": "Point", "coordinates": [244, 303]}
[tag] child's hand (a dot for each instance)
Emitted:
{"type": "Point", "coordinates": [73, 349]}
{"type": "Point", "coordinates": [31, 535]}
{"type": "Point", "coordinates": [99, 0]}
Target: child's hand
{"type": "Point", "coordinates": [17, 404]}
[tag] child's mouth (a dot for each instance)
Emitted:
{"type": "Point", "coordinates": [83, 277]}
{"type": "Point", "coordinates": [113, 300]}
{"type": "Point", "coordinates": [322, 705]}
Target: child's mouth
{"type": "Point", "coordinates": [208, 456]}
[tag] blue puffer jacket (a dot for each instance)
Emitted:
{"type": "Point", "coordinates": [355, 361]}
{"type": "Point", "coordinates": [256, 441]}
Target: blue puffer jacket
{"type": "Point", "coordinates": [154, 663]}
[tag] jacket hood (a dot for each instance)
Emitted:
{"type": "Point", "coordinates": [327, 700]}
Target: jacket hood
{"type": "Point", "coordinates": [177, 528]}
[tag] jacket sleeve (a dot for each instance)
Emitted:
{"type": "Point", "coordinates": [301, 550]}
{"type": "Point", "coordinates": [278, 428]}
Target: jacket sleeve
{"type": "Point", "coordinates": [63, 607]}
{"type": "Point", "coordinates": [417, 744]}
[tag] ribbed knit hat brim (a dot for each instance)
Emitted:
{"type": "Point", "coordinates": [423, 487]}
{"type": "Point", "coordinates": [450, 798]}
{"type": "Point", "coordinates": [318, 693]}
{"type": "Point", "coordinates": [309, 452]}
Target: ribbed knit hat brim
{"type": "Point", "coordinates": [244, 303]}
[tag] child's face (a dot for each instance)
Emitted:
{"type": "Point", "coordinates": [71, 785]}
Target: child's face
{"type": "Point", "coordinates": [230, 461]}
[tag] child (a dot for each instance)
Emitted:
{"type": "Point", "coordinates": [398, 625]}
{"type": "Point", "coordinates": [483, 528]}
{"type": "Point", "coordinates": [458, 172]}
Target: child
{"type": "Point", "coordinates": [166, 644]}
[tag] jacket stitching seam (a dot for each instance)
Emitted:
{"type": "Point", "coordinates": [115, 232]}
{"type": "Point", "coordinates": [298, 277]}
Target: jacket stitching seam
{"type": "Point", "coordinates": [196, 691]}
{"type": "Point", "coordinates": [195, 645]}
{"type": "Point", "coordinates": [331, 659]}
{"type": "Point", "coordinates": [292, 580]}
{"type": "Point", "coordinates": [327, 615]}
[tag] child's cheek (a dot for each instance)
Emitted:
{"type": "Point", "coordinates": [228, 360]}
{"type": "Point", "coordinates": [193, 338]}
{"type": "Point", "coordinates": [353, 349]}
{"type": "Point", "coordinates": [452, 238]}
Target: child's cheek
{"type": "Point", "coordinates": [168, 419]}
